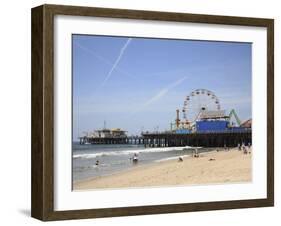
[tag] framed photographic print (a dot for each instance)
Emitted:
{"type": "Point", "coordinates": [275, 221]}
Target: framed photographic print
{"type": "Point", "coordinates": [141, 112]}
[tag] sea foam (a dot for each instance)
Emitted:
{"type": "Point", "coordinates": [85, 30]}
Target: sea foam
{"type": "Point", "coordinates": [128, 152]}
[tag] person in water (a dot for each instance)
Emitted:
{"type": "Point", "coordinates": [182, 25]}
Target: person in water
{"type": "Point", "coordinates": [135, 158]}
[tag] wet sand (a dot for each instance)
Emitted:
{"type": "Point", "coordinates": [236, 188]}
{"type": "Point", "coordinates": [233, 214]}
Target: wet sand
{"type": "Point", "coordinates": [230, 166]}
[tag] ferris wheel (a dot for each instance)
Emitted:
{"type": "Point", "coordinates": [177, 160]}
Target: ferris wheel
{"type": "Point", "coordinates": [198, 101]}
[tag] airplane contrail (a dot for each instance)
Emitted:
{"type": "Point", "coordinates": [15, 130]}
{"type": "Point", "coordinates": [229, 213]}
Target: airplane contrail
{"type": "Point", "coordinates": [104, 60]}
{"type": "Point", "coordinates": [122, 51]}
{"type": "Point", "coordinates": [164, 91]}
{"type": "Point", "coordinates": [160, 94]}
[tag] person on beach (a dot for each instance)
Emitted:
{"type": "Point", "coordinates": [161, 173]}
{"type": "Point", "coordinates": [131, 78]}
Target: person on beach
{"type": "Point", "coordinates": [195, 153]}
{"type": "Point", "coordinates": [239, 147]}
{"type": "Point", "coordinates": [244, 149]}
{"type": "Point", "coordinates": [97, 162]}
{"type": "Point", "coordinates": [180, 159]}
{"type": "Point", "coordinates": [249, 148]}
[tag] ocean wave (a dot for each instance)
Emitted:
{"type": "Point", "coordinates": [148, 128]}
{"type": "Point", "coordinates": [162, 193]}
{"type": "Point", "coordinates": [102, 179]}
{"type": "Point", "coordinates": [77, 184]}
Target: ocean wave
{"type": "Point", "coordinates": [128, 152]}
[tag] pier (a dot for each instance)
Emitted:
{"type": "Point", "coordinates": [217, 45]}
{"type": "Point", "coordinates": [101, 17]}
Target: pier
{"type": "Point", "coordinates": [215, 139]}
{"type": "Point", "coordinates": [169, 139]}
{"type": "Point", "coordinates": [112, 140]}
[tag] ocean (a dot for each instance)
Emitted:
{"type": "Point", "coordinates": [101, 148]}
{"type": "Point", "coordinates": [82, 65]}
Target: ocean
{"type": "Point", "coordinates": [116, 158]}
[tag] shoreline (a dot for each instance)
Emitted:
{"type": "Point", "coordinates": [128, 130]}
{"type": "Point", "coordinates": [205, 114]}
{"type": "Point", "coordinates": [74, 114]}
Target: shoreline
{"type": "Point", "coordinates": [140, 163]}
{"type": "Point", "coordinates": [206, 150]}
{"type": "Point", "coordinates": [224, 166]}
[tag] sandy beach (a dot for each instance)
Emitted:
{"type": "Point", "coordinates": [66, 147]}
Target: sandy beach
{"type": "Point", "coordinates": [213, 167]}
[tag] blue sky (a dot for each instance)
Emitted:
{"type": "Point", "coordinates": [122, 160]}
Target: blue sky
{"type": "Point", "coordinates": [138, 83]}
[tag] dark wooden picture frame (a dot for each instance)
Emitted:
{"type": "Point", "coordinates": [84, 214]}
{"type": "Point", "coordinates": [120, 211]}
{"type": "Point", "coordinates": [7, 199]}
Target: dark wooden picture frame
{"type": "Point", "coordinates": [42, 203]}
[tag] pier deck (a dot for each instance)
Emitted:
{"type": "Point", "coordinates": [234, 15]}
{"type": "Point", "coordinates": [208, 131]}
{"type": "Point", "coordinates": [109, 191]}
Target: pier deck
{"type": "Point", "coordinates": [206, 139]}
